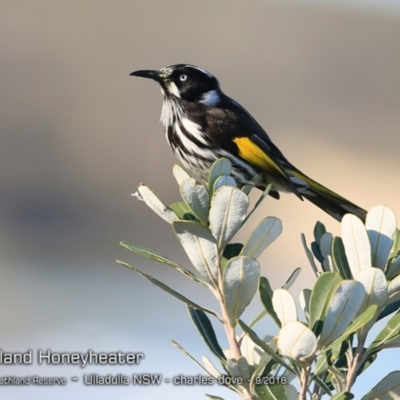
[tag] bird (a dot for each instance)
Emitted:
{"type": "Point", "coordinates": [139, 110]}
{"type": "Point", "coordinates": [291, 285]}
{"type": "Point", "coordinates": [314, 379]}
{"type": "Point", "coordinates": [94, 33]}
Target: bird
{"type": "Point", "coordinates": [203, 124]}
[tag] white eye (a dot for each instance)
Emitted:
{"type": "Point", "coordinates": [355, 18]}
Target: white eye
{"type": "Point", "coordinates": [183, 77]}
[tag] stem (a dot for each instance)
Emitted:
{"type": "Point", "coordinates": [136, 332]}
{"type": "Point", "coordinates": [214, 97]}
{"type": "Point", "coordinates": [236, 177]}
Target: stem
{"type": "Point", "coordinates": [230, 330]}
{"type": "Point", "coordinates": [304, 376]}
{"type": "Point", "coordinates": [258, 318]}
{"type": "Point", "coordinates": [355, 364]}
{"type": "Point", "coordinates": [317, 391]}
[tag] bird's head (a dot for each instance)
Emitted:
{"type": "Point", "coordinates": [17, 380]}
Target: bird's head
{"type": "Point", "coordinates": [187, 82]}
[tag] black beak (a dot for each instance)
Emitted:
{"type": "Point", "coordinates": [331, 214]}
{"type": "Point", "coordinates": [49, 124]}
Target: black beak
{"type": "Point", "coordinates": [151, 74]}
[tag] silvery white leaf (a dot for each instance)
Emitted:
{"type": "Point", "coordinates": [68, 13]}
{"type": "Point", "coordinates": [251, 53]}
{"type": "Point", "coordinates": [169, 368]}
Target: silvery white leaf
{"type": "Point", "coordinates": [220, 167]}
{"type": "Point", "coordinates": [224, 180]}
{"type": "Point", "coordinates": [345, 303]}
{"type": "Point", "coordinates": [284, 306]}
{"type": "Point", "coordinates": [200, 246]}
{"type": "Point", "coordinates": [227, 212]}
{"type": "Point", "coordinates": [180, 174]}
{"type": "Point", "coordinates": [156, 205]}
{"type": "Point", "coordinates": [196, 197]}
{"type": "Point", "coordinates": [356, 244]}
{"type": "Point", "coordinates": [297, 341]}
{"type": "Point", "coordinates": [262, 236]}
{"type": "Point", "coordinates": [248, 350]}
{"type": "Point", "coordinates": [375, 285]}
{"type": "Point", "coordinates": [240, 281]}
{"type": "Point", "coordinates": [381, 225]}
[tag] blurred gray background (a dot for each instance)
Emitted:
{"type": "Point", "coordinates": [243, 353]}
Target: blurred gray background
{"type": "Point", "coordinates": [78, 135]}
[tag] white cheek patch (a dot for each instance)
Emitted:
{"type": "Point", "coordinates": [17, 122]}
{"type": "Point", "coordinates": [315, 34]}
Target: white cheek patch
{"type": "Point", "coordinates": [173, 89]}
{"type": "Point", "coordinates": [210, 98]}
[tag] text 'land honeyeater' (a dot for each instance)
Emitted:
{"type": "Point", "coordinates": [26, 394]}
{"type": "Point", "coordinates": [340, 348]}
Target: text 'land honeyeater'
{"type": "Point", "coordinates": [203, 124]}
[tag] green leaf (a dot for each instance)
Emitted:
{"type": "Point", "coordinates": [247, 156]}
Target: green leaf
{"type": "Point", "coordinates": [266, 298]}
{"type": "Point", "coordinates": [343, 396]}
{"type": "Point", "coordinates": [394, 268]}
{"type": "Point", "coordinates": [262, 236]}
{"type": "Point", "coordinates": [396, 244]}
{"type": "Point", "coordinates": [212, 370]}
{"type": "Point", "coordinates": [340, 259]}
{"type": "Point", "coordinates": [319, 382]}
{"type": "Point", "coordinates": [363, 319]}
{"type": "Point", "coordinates": [232, 250]}
{"type": "Point", "coordinates": [389, 336]}
{"type": "Point", "coordinates": [297, 342]}
{"type": "Point", "coordinates": [200, 247]}
{"type": "Point", "coordinates": [206, 331]}
{"type": "Point", "coordinates": [263, 196]}
{"type": "Point", "coordinates": [319, 231]}
{"type": "Point", "coordinates": [182, 210]}
{"type": "Point", "coordinates": [197, 198]}
{"type": "Point", "coordinates": [210, 396]}
{"type": "Point", "coordinates": [156, 204]}
{"type": "Point", "coordinates": [321, 295]}
{"type": "Point", "coordinates": [381, 225]}
{"type": "Point", "coordinates": [343, 307]}
{"type": "Point", "coordinates": [325, 245]}
{"type": "Point", "coordinates": [169, 290]}
{"type": "Point", "coordinates": [261, 365]}
{"type": "Point", "coordinates": [240, 280]}
{"type": "Point", "coordinates": [367, 363]}
{"type": "Point", "coordinates": [178, 346]}
{"type": "Point", "coordinates": [315, 248]}
{"type": "Point", "coordinates": [394, 290]}
{"type": "Point", "coordinates": [252, 183]}
{"type": "Point", "coordinates": [323, 363]}
{"type": "Point", "coordinates": [227, 213]}
{"type": "Point", "coordinates": [387, 389]}
{"type": "Point", "coordinates": [356, 244]}
{"type": "Point", "coordinates": [390, 309]}
{"type": "Point", "coordinates": [292, 278]}
{"type": "Point", "coordinates": [304, 300]}
{"type": "Point", "coordinates": [270, 392]}
{"type": "Point", "coordinates": [309, 254]}
{"type": "Point", "coordinates": [260, 200]}
{"type": "Point", "coordinates": [284, 306]}
{"type": "Point", "coordinates": [264, 346]}
{"type": "Point", "coordinates": [161, 259]}
{"type": "Point", "coordinates": [220, 167]}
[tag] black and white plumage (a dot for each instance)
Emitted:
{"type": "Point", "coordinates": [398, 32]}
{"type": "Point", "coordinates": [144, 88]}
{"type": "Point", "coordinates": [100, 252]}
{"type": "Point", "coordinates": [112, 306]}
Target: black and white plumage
{"type": "Point", "coordinates": [203, 124]}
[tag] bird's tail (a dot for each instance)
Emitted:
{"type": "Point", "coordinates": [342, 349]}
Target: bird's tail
{"type": "Point", "coordinates": [324, 198]}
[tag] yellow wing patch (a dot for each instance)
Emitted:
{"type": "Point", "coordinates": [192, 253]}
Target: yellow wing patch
{"type": "Point", "coordinates": [250, 152]}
